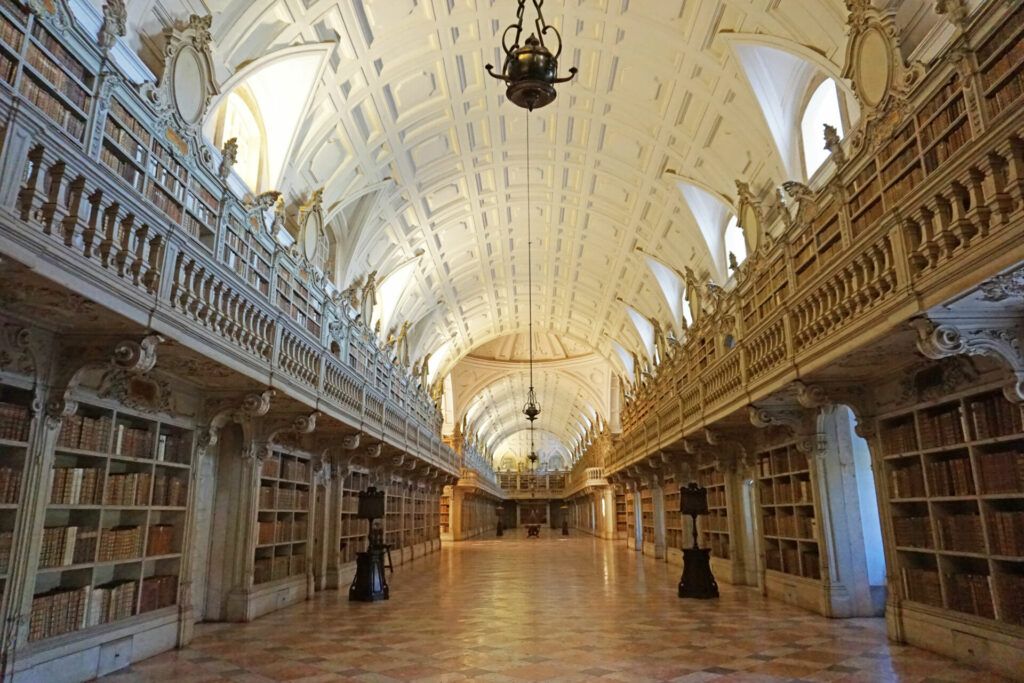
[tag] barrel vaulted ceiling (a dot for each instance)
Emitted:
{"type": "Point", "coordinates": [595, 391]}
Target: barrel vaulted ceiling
{"type": "Point", "coordinates": [419, 153]}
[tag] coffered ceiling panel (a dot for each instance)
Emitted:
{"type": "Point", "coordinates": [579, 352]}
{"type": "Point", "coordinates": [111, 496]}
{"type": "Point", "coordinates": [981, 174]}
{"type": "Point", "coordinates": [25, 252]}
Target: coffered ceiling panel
{"type": "Point", "coordinates": [405, 96]}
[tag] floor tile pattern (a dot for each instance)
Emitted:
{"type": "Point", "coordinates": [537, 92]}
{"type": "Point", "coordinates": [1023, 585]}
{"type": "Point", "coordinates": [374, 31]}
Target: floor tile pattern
{"type": "Point", "coordinates": [552, 609]}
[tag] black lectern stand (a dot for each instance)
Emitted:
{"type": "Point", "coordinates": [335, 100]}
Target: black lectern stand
{"type": "Point", "coordinates": [369, 584]}
{"type": "Point", "coordinates": [697, 580]}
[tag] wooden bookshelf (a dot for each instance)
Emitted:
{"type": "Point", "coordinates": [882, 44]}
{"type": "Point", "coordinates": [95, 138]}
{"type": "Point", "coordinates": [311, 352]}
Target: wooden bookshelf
{"type": "Point", "coordinates": [954, 475]}
{"type": "Point", "coordinates": [126, 145]}
{"type": "Point", "coordinates": [647, 514]}
{"type": "Point", "coordinates": [282, 521]}
{"type": "Point", "coordinates": [815, 247]}
{"type": "Point", "coordinates": [394, 524]}
{"type": "Point", "coordinates": [767, 292]}
{"type": "Point", "coordinates": [444, 510]}
{"type": "Point", "coordinates": [631, 516]}
{"type": "Point", "coordinates": [15, 423]}
{"type": "Point", "coordinates": [673, 519]}
{"type": "Point", "coordinates": [202, 214]}
{"type": "Point", "coordinates": [789, 525]}
{"type": "Point", "coordinates": [865, 204]}
{"type": "Point", "coordinates": [247, 255]}
{"type": "Point", "coordinates": [1001, 64]}
{"type": "Point", "coordinates": [715, 528]}
{"type": "Point", "coordinates": [621, 517]}
{"type": "Point", "coordinates": [167, 181]}
{"type": "Point", "coordinates": [13, 19]}
{"type": "Point", "coordinates": [114, 521]}
{"type": "Point", "coordinates": [55, 81]}
{"type": "Point", "coordinates": [295, 298]}
{"type": "Point", "coordinates": [353, 530]}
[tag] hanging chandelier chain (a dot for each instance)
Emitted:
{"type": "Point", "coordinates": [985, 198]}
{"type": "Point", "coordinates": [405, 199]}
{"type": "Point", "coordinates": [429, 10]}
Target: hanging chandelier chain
{"type": "Point", "coordinates": [529, 248]}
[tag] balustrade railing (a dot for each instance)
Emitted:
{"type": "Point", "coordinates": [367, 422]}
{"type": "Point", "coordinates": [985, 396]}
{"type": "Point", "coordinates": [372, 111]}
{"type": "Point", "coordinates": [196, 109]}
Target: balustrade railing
{"type": "Point", "coordinates": [911, 220]}
{"type": "Point", "coordinates": [62, 202]}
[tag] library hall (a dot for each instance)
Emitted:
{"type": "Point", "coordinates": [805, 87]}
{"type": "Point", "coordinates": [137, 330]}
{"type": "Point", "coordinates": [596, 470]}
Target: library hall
{"type": "Point", "coordinates": [511, 340]}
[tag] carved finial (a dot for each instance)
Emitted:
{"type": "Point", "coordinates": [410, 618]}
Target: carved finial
{"type": "Point", "coordinates": [834, 144]}
{"type": "Point", "coordinates": [228, 158]}
{"type": "Point", "coordinates": [115, 24]}
{"type": "Point", "coordinates": [954, 11]}
{"type": "Point", "coordinates": [201, 26]}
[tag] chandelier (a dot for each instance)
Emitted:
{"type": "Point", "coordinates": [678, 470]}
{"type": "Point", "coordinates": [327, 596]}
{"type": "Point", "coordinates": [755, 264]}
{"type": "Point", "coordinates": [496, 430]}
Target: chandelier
{"type": "Point", "coordinates": [530, 69]}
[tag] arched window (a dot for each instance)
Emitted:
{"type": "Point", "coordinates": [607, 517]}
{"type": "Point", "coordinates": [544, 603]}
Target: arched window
{"type": "Point", "coordinates": [239, 118]}
{"type": "Point", "coordinates": [735, 243]}
{"type": "Point", "coordinates": [822, 108]}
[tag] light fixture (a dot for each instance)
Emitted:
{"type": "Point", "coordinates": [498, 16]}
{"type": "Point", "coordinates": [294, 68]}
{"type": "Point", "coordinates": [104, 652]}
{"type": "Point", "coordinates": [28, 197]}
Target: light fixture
{"type": "Point", "coordinates": [530, 69]}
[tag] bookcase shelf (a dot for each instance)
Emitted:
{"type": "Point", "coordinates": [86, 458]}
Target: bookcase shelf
{"type": "Point", "coordinates": [15, 421]}
{"type": "Point", "coordinates": [621, 519]}
{"type": "Point", "coordinates": [954, 473]}
{"type": "Point", "coordinates": [282, 518]}
{"type": "Point", "coordinates": [789, 525]}
{"type": "Point", "coordinates": [631, 516]}
{"type": "Point", "coordinates": [1001, 64]}
{"type": "Point", "coordinates": [444, 511]}
{"type": "Point", "coordinates": [353, 531]}
{"type": "Point", "coordinates": [243, 252]}
{"type": "Point", "coordinates": [647, 514]}
{"type": "Point", "coordinates": [673, 518]}
{"type": "Point", "coordinates": [715, 528]}
{"type": "Point", "coordinates": [114, 524]}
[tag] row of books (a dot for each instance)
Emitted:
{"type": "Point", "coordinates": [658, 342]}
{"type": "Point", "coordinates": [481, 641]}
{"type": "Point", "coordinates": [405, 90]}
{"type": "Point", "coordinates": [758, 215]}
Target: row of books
{"type": "Point", "coordinates": [922, 585]}
{"type": "Point", "coordinates": [906, 481]}
{"type": "Point", "coordinates": [14, 421]}
{"type": "Point", "coordinates": [1002, 471]}
{"type": "Point", "coordinates": [913, 532]}
{"type": "Point", "coordinates": [939, 99]}
{"type": "Point", "coordinates": [10, 484]}
{"type": "Point", "coordinates": [719, 546]}
{"type": "Point", "coordinates": [6, 544]}
{"type": "Point", "coordinates": [57, 78]}
{"type": "Point", "coordinates": [58, 112]}
{"type": "Point", "coordinates": [59, 611]}
{"type": "Point", "coordinates": [59, 52]}
{"type": "Point", "coordinates": [716, 498]}
{"type": "Point", "coordinates": [126, 121]}
{"type": "Point", "coordinates": [948, 145]}
{"type": "Point", "coordinates": [125, 169]}
{"type": "Point", "coordinates": [195, 227]}
{"type": "Point", "coordinates": [992, 415]}
{"type": "Point", "coordinates": [798, 491]}
{"type": "Point", "coordinates": [951, 477]}
{"type": "Point", "coordinates": [351, 526]}
{"type": "Point", "coordinates": [961, 532]}
{"type": "Point", "coordinates": [124, 141]}
{"type": "Point", "coordinates": [85, 432]}
{"type": "Point", "coordinates": [272, 568]}
{"type": "Point", "coordinates": [1005, 31]}
{"type": "Point", "coordinates": [10, 34]}
{"type": "Point", "coordinates": [112, 601]}
{"type": "Point", "coordinates": [281, 531]}
{"type": "Point", "coordinates": [121, 542]}
{"type": "Point", "coordinates": [8, 68]}
{"type": "Point", "coordinates": [941, 427]}
{"type": "Point", "coordinates": [64, 610]}
{"type": "Point", "coordinates": [865, 220]}
{"type": "Point", "coordinates": [75, 485]}
{"type": "Point", "coordinates": [908, 181]}
{"type": "Point", "coordinates": [64, 546]}
{"type": "Point", "coordinates": [288, 468]}
{"type": "Point", "coordinates": [793, 526]}
{"type": "Point", "coordinates": [1006, 532]}
{"type": "Point", "coordinates": [1010, 59]}
{"type": "Point", "coordinates": [969, 593]}
{"type": "Point", "coordinates": [159, 540]}
{"type": "Point", "coordinates": [942, 120]}
{"type": "Point", "coordinates": [714, 522]}
{"type": "Point", "coordinates": [163, 201]}
{"type": "Point", "coordinates": [899, 164]}
{"type": "Point", "coordinates": [292, 499]}
{"type": "Point", "coordinates": [128, 488]}
{"type": "Point", "coordinates": [158, 592]}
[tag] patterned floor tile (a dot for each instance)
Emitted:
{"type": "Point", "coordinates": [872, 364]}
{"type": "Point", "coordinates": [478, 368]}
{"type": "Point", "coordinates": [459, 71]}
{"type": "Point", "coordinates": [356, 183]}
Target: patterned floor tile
{"type": "Point", "coordinates": [508, 611]}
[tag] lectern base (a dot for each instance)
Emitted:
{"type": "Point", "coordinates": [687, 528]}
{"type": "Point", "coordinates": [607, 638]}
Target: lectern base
{"type": "Point", "coordinates": [369, 584]}
{"type": "Point", "coordinates": [697, 580]}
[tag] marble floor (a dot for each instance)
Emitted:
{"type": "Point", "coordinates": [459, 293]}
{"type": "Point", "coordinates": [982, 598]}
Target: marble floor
{"type": "Point", "coordinates": [553, 609]}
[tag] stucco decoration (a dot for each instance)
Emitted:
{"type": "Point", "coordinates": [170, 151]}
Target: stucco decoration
{"type": "Point", "coordinates": [186, 86]}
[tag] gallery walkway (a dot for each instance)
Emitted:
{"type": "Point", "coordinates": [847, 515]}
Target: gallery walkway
{"type": "Point", "coordinates": [573, 609]}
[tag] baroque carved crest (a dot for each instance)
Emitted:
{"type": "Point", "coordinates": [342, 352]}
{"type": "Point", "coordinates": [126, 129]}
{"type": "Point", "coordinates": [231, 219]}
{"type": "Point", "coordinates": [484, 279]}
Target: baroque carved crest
{"type": "Point", "coordinates": [182, 96]}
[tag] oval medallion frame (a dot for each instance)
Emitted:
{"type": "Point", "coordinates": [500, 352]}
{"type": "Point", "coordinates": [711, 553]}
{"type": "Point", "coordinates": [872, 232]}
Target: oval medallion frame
{"type": "Point", "coordinates": [188, 85]}
{"type": "Point", "coordinates": [873, 66]}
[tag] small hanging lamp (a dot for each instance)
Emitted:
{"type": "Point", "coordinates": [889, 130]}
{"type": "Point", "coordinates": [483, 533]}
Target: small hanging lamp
{"type": "Point", "coordinates": [530, 69]}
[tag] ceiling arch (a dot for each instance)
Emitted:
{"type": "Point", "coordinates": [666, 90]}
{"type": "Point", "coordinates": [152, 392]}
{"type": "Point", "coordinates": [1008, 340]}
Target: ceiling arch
{"type": "Point", "coordinates": [404, 96]}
